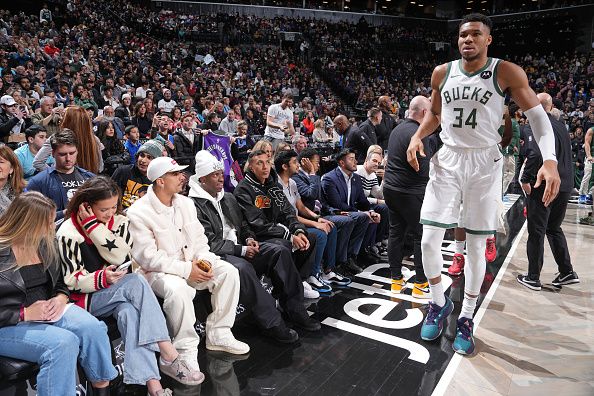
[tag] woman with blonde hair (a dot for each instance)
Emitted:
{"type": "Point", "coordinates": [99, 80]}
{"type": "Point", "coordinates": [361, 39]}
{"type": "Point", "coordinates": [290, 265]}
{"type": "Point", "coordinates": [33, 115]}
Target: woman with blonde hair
{"type": "Point", "coordinates": [319, 133]}
{"type": "Point", "coordinates": [11, 177]}
{"type": "Point", "coordinates": [36, 322]}
{"type": "Point", "coordinates": [89, 146]}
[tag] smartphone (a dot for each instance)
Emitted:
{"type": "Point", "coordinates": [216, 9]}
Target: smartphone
{"type": "Point", "coordinates": [60, 105]}
{"type": "Point", "coordinates": [124, 267]}
{"type": "Point", "coordinates": [100, 112]}
{"type": "Point", "coordinates": [385, 153]}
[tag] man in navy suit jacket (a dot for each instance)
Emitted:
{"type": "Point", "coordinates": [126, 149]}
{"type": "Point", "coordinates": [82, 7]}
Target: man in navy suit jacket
{"type": "Point", "coordinates": [342, 191]}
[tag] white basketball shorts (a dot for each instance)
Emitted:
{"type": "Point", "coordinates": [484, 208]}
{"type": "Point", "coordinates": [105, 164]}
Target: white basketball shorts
{"type": "Point", "coordinates": [472, 176]}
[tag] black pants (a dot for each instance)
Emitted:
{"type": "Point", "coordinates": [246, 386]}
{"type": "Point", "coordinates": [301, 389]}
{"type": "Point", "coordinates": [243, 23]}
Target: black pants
{"type": "Point", "coordinates": [546, 221]}
{"type": "Point", "coordinates": [405, 214]}
{"type": "Point", "coordinates": [274, 261]}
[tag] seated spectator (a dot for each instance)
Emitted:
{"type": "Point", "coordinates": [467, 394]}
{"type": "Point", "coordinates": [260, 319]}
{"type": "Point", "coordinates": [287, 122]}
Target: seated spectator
{"type": "Point", "coordinates": [343, 192]}
{"type": "Point", "coordinates": [173, 252]}
{"type": "Point", "coordinates": [231, 238]}
{"type": "Point", "coordinates": [272, 217]}
{"type": "Point", "coordinates": [187, 142]}
{"type": "Point", "coordinates": [48, 116]}
{"type": "Point", "coordinates": [229, 123]}
{"type": "Point", "coordinates": [212, 122]}
{"type": "Point", "coordinates": [36, 137]}
{"type": "Point", "coordinates": [166, 104]}
{"type": "Point", "coordinates": [11, 177]}
{"type": "Point", "coordinates": [176, 118]}
{"type": "Point", "coordinates": [12, 118]}
{"type": "Point", "coordinates": [109, 115]}
{"type": "Point", "coordinates": [243, 144]}
{"type": "Point", "coordinates": [29, 257]}
{"type": "Point", "coordinates": [59, 183]}
{"type": "Point", "coordinates": [132, 179]}
{"type": "Point", "coordinates": [142, 120]}
{"type": "Point", "coordinates": [162, 129]}
{"type": "Point", "coordinates": [89, 155]}
{"type": "Point", "coordinates": [108, 99]}
{"type": "Point", "coordinates": [111, 144]}
{"type": "Point", "coordinates": [308, 123]}
{"type": "Point", "coordinates": [324, 230]}
{"type": "Point", "coordinates": [371, 186]}
{"type": "Point", "coordinates": [132, 143]}
{"type": "Point", "coordinates": [299, 143]}
{"type": "Point", "coordinates": [374, 193]}
{"type": "Point", "coordinates": [319, 133]}
{"type": "Point", "coordinates": [350, 231]}
{"type": "Point", "coordinates": [94, 241]}
{"type": "Point", "coordinates": [124, 111]}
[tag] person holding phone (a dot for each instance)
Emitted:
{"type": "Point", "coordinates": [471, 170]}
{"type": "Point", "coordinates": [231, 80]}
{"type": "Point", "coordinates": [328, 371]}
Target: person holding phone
{"type": "Point", "coordinates": [94, 241]}
{"type": "Point", "coordinates": [36, 324]}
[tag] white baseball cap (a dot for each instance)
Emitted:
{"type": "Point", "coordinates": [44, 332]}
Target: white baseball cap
{"type": "Point", "coordinates": [162, 165]}
{"type": "Point", "coordinates": [7, 100]}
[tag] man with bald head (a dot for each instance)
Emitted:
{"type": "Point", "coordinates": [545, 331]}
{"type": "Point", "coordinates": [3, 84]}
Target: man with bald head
{"type": "Point", "coordinates": [546, 220]}
{"type": "Point", "coordinates": [388, 121]}
{"type": "Point", "coordinates": [343, 127]}
{"type": "Point", "coordinates": [404, 191]}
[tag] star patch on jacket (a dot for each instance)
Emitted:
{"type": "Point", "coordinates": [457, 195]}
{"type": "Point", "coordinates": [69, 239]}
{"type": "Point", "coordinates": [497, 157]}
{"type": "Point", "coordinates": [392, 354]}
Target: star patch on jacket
{"type": "Point", "coordinates": [262, 202]}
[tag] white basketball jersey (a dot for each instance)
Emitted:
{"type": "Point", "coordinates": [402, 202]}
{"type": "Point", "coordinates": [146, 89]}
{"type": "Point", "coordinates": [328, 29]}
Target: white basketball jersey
{"type": "Point", "coordinates": [471, 106]}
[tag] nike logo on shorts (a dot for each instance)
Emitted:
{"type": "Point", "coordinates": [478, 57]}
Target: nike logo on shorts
{"type": "Point", "coordinates": [497, 159]}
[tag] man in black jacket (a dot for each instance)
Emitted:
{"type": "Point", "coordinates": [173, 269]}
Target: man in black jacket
{"type": "Point", "coordinates": [359, 139]}
{"type": "Point", "coordinates": [388, 122]}
{"type": "Point", "coordinates": [546, 220]}
{"type": "Point", "coordinates": [270, 215]}
{"type": "Point", "coordinates": [230, 237]}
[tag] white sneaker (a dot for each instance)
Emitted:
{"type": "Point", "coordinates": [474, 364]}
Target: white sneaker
{"type": "Point", "coordinates": [229, 345]}
{"type": "Point", "coordinates": [318, 285]}
{"type": "Point", "coordinates": [332, 278]}
{"type": "Point", "coordinates": [181, 371]}
{"type": "Point", "coordinates": [308, 292]}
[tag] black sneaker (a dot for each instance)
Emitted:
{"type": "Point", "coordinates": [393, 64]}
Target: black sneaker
{"type": "Point", "coordinates": [529, 283]}
{"type": "Point", "coordinates": [566, 279]}
{"type": "Point", "coordinates": [302, 320]}
{"type": "Point", "coordinates": [282, 334]}
{"type": "Point", "coordinates": [351, 267]}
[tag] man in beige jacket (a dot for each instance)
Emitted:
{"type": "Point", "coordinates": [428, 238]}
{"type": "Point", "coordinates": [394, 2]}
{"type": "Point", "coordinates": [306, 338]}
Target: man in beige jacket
{"type": "Point", "coordinates": [169, 242]}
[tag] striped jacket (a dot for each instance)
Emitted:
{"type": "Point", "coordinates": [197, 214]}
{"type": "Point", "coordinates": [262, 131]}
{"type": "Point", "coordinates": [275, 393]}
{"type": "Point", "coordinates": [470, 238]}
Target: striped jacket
{"type": "Point", "coordinates": [86, 250]}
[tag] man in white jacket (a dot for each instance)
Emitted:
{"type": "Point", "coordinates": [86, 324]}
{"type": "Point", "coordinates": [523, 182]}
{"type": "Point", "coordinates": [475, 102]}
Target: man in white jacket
{"type": "Point", "coordinates": [168, 242]}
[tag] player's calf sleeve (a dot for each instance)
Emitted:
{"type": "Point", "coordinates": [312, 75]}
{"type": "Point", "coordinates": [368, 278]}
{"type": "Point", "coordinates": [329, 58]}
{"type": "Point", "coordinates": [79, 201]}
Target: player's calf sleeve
{"type": "Point", "coordinates": [431, 248]}
{"type": "Point", "coordinates": [474, 268]}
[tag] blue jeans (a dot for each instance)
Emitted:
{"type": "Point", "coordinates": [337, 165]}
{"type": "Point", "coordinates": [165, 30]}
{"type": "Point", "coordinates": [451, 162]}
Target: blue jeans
{"type": "Point", "coordinates": [344, 228]}
{"type": "Point", "coordinates": [321, 241]}
{"type": "Point", "coordinates": [142, 325]}
{"type": "Point", "coordinates": [56, 347]}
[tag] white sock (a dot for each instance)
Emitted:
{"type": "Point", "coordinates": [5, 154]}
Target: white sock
{"type": "Point", "coordinates": [437, 294]}
{"type": "Point", "coordinates": [164, 362]}
{"type": "Point", "coordinates": [468, 306]}
{"type": "Point", "coordinates": [460, 246]}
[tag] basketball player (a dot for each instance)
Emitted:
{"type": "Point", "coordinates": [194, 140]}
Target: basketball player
{"type": "Point", "coordinates": [468, 100]}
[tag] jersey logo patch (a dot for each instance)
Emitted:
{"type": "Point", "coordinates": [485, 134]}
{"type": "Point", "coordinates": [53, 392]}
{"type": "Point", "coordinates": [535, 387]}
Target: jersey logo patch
{"type": "Point", "coordinates": [262, 202]}
{"type": "Point", "coordinates": [486, 74]}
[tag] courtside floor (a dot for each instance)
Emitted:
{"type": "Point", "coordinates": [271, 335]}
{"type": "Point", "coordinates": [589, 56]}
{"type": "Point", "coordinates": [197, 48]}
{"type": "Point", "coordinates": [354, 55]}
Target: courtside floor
{"type": "Point", "coordinates": [527, 342]}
